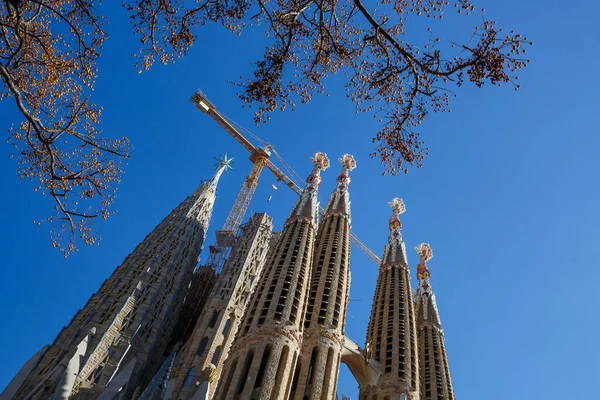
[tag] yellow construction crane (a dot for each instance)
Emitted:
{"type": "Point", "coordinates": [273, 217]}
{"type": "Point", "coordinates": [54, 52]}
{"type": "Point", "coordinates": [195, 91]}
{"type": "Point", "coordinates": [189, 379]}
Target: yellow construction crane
{"type": "Point", "coordinates": [259, 156]}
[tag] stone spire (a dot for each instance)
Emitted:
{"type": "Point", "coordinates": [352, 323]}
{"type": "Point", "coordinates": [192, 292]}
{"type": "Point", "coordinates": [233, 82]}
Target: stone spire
{"type": "Point", "coordinates": [435, 380]}
{"type": "Point", "coordinates": [220, 319]}
{"type": "Point", "coordinates": [307, 205]}
{"type": "Point", "coordinates": [133, 313]}
{"type": "Point", "coordinates": [317, 369]}
{"type": "Point", "coordinates": [391, 335]}
{"type": "Point", "coordinates": [264, 354]}
{"type": "Point", "coordinates": [395, 250]}
{"type": "Point", "coordinates": [206, 192]}
{"type": "Point", "coordinates": [339, 202]}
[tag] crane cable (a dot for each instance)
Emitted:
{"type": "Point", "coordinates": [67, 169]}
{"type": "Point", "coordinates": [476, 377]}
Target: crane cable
{"type": "Point", "coordinates": [287, 167]}
{"type": "Point", "coordinates": [243, 129]}
{"type": "Point", "coordinates": [294, 176]}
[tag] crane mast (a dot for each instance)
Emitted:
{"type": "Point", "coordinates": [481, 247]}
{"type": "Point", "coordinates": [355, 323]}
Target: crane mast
{"type": "Point", "coordinates": [260, 159]}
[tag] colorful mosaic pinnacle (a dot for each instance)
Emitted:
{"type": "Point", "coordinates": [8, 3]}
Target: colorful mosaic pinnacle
{"type": "Point", "coordinates": [348, 161]}
{"type": "Point", "coordinates": [348, 164]}
{"type": "Point", "coordinates": [398, 207]}
{"type": "Point", "coordinates": [321, 164]}
{"type": "Point", "coordinates": [425, 254]}
{"type": "Point", "coordinates": [320, 160]}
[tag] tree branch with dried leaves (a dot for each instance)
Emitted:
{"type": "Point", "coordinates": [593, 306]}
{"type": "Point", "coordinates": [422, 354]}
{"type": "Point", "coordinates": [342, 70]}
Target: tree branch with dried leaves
{"type": "Point", "coordinates": [48, 52]}
{"type": "Point", "coordinates": [49, 48]}
{"type": "Point", "coordinates": [399, 81]}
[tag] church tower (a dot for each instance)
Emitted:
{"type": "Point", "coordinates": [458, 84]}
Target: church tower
{"type": "Point", "coordinates": [433, 362]}
{"type": "Point", "coordinates": [218, 324]}
{"type": "Point", "coordinates": [264, 354]}
{"type": "Point", "coordinates": [391, 335]}
{"type": "Point", "coordinates": [318, 366]}
{"type": "Point", "coordinates": [116, 342]}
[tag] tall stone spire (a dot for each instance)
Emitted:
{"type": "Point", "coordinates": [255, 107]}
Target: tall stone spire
{"type": "Point", "coordinates": [220, 319]}
{"type": "Point", "coordinates": [436, 383]}
{"type": "Point", "coordinates": [317, 369]}
{"type": "Point", "coordinates": [122, 332]}
{"type": "Point", "coordinates": [206, 193]}
{"type": "Point", "coordinates": [264, 354]}
{"type": "Point", "coordinates": [391, 335]}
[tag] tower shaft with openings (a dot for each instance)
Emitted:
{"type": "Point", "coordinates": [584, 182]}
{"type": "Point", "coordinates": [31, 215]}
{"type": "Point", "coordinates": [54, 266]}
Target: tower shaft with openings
{"type": "Point", "coordinates": [391, 335]}
{"type": "Point", "coordinates": [273, 326]}
{"type": "Point", "coordinates": [433, 361]}
{"type": "Point", "coordinates": [262, 359]}
{"type": "Point", "coordinates": [317, 369]}
{"type": "Point", "coordinates": [218, 324]}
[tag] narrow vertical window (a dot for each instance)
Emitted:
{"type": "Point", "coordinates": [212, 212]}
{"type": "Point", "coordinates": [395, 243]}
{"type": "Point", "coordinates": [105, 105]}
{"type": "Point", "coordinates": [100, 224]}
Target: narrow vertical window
{"type": "Point", "coordinates": [313, 361]}
{"type": "Point", "coordinates": [296, 376]}
{"type": "Point", "coordinates": [229, 378]}
{"type": "Point", "coordinates": [216, 355]}
{"type": "Point", "coordinates": [190, 377]}
{"type": "Point", "coordinates": [327, 378]}
{"type": "Point", "coordinates": [262, 367]}
{"type": "Point", "coordinates": [213, 319]}
{"type": "Point", "coordinates": [227, 327]}
{"type": "Point", "coordinates": [286, 394]}
{"type": "Point", "coordinates": [202, 347]}
{"type": "Point", "coordinates": [245, 371]}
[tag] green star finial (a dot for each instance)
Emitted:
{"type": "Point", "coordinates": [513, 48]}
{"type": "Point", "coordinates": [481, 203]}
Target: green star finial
{"type": "Point", "coordinates": [224, 162]}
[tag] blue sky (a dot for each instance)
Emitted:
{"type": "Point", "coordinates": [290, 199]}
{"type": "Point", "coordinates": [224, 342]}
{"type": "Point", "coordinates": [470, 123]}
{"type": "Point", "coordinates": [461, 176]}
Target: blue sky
{"type": "Point", "coordinates": [508, 200]}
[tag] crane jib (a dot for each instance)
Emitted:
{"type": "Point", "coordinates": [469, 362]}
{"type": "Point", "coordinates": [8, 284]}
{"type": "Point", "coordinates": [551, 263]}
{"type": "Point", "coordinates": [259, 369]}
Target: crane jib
{"type": "Point", "coordinates": [239, 209]}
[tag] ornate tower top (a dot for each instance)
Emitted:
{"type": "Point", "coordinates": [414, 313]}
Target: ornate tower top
{"type": "Point", "coordinates": [426, 304]}
{"type": "Point", "coordinates": [204, 196]}
{"type": "Point", "coordinates": [425, 254]}
{"type": "Point", "coordinates": [321, 164]}
{"type": "Point", "coordinates": [398, 207]}
{"type": "Point", "coordinates": [308, 203]}
{"type": "Point", "coordinates": [223, 164]}
{"type": "Point", "coordinates": [395, 252]}
{"type": "Point", "coordinates": [339, 202]}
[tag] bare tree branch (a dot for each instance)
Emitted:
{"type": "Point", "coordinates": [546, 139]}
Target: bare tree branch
{"type": "Point", "coordinates": [401, 82]}
{"type": "Point", "coordinates": [48, 50]}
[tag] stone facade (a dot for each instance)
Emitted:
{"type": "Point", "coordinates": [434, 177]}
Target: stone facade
{"type": "Point", "coordinates": [122, 332]}
{"type": "Point", "coordinates": [220, 319]}
{"type": "Point", "coordinates": [270, 326]}
{"type": "Point", "coordinates": [199, 289]}
{"type": "Point", "coordinates": [263, 356]}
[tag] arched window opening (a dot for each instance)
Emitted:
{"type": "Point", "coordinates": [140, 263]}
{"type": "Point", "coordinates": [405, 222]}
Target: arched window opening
{"type": "Point", "coordinates": [229, 378]}
{"type": "Point", "coordinates": [216, 355]}
{"type": "Point", "coordinates": [262, 367]}
{"type": "Point", "coordinates": [213, 319]}
{"type": "Point", "coordinates": [202, 346]}
{"type": "Point", "coordinates": [327, 377]}
{"type": "Point", "coordinates": [227, 327]}
{"type": "Point", "coordinates": [190, 377]}
{"type": "Point", "coordinates": [279, 385]}
{"type": "Point", "coordinates": [311, 366]}
{"type": "Point", "coordinates": [245, 371]}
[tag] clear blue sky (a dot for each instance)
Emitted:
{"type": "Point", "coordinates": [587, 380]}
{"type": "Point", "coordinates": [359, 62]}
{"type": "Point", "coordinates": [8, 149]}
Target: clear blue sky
{"type": "Point", "coordinates": [508, 200]}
